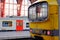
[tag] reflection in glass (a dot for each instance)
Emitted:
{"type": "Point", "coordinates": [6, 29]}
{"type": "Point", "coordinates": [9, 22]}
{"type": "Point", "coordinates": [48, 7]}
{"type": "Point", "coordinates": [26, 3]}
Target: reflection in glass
{"type": "Point", "coordinates": [38, 11]}
{"type": "Point", "coordinates": [32, 13]}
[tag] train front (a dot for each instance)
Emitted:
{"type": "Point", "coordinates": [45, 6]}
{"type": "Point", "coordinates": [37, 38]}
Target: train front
{"type": "Point", "coordinates": [43, 17]}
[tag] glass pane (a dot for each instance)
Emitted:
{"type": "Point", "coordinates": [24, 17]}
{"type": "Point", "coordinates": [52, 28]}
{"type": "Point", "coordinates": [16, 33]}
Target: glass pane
{"type": "Point", "coordinates": [26, 2]}
{"type": "Point", "coordinates": [29, 3]}
{"type": "Point", "coordinates": [15, 7]}
{"type": "Point", "coordinates": [22, 13]}
{"type": "Point", "coordinates": [32, 13]}
{"type": "Point", "coordinates": [38, 10]}
{"type": "Point", "coordinates": [26, 7]}
{"type": "Point", "coordinates": [7, 5]}
{"type": "Point", "coordinates": [7, 1]}
{"type": "Point", "coordinates": [43, 9]}
{"type": "Point", "coordinates": [11, 1]}
{"type": "Point", "coordinates": [7, 23]}
{"type": "Point", "coordinates": [43, 12]}
{"type": "Point", "coordinates": [11, 6]}
{"type": "Point", "coordinates": [26, 13]}
{"type": "Point", "coordinates": [11, 12]}
{"type": "Point", "coordinates": [15, 12]}
{"type": "Point", "coordinates": [22, 8]}
{"type": "Point", "coordinates": [44, 5]}
{"type": "Point", "coordinates": [7, 11]}
{"type": "Point", "coordinates": [15, 1]}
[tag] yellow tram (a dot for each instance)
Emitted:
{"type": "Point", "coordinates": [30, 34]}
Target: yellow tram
{"type": "Point", "coordinates": [44, 20]}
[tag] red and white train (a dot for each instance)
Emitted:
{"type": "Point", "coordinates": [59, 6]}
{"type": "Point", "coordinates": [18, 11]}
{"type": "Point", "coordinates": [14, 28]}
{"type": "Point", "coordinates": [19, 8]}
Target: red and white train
{"type": "Point", "coordinates": [13, 23]}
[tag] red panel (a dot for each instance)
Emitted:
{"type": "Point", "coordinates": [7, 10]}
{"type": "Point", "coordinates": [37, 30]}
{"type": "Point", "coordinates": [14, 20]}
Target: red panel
{"type": "Point", "coordinates": [19, 25]}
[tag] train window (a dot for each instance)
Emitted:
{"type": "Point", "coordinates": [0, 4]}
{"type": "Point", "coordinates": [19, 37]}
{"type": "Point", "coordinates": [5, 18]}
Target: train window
{"type": "Point", "coordinates": [32, 13]}
{"type": "Point", "coordinates": [19, 23]}
{"type": "Point", "coordinates": [7, 23]}
{"type": "Point", "coordinates": [38, 11]}
{"type": "Point", "coordinates": [27, 25]}
{"type": "Point", "coordinates": [42, 12]}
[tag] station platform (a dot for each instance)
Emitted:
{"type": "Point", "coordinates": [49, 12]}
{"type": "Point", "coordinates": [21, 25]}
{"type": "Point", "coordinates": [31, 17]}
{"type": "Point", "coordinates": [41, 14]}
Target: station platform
{"type": "Point", "coordinates": [14, 34]}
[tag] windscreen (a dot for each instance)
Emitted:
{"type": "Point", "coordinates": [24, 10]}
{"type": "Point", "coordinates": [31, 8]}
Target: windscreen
{"type": "Point", "coordinates": [32, 13]}
{"type": "Point", "coordinates": [38, 11]}
{"type": "Point", "coordinates": [42, 12]}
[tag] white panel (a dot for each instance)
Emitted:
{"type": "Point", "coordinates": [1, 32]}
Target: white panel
{"type": "Point", "coordinates": [26, 7]}
{"type": "Point", "coordinates": [25, 1]}
{"type": "Point", "coordinates": [15, 7]}
{"type": "Point", "coordinates": [15, 12]}
{"type": "Point", "coordinates": [7, 1]}
{"type": "Point", "coordinates": [11, 6]}
{"type": "Point", "coordinates": [22, 13]}
{"type": "Point", "coordinates": [26, 13]}
{"type": "Point", "coordinates": [11, 12]}
{"type": "Point", "coordinates": [11, 1]}
{"type": "Point", "coordinates": [7, 11]}
{"type": "Point", "coordinates": [22, 8]}
{"type": "Point", "coordinates": [15, 1]}
{"type": "Point", "coordinates": [7, 5]}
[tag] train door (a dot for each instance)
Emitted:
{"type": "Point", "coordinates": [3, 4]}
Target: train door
{"type": "Point", "coordinates": [19, 25]}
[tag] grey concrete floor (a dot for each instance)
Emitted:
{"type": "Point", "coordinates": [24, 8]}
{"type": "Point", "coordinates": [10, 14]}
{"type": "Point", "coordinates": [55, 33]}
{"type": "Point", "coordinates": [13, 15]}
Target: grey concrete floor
{"type": "Point", "coordinates": [14, 35]}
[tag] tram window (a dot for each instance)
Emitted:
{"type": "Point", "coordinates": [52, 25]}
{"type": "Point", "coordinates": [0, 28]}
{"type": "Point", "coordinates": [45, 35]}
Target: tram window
{"type": "Point", "coordinates": [42, 12]}
{"type": "Point", "coordinates": [32, 13]}
{"type": "Point", "coordinates": [38, 11]}
{"type": "Point", "coordinates": [7, 23]}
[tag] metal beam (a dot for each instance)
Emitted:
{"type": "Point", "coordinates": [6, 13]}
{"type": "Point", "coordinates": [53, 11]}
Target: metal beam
{"type": "Point", "coordinates": [19, 3]}
{"type": "Point", "coordinates": [2, 7]}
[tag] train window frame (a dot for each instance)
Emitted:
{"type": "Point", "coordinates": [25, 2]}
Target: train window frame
{"type": "Point", "coordinates": [6, 23]}
{"type": "Point", "coordinates": [36, 4]}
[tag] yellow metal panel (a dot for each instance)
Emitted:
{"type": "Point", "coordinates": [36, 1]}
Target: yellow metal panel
{"type": "Point", "coordinates": [52, 2]}
{"type": "Point", "coordinates": [46, 37]}
{"type": "Point", "coordinates": [50, 37]}
{"type": "Point", "coordinates": [53, 9]}
{"type": "Point", "coordinates": [32, 24]}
